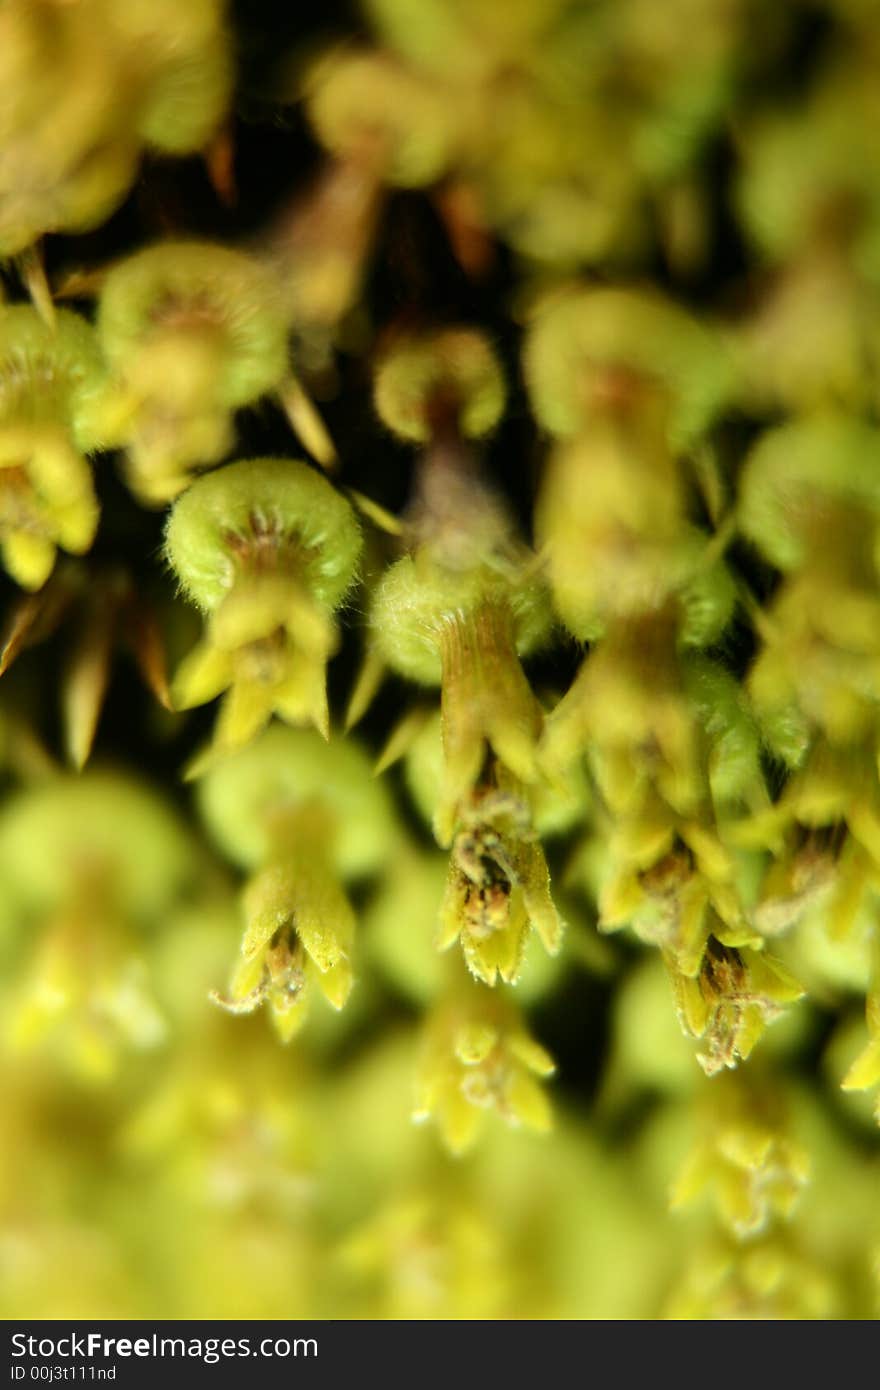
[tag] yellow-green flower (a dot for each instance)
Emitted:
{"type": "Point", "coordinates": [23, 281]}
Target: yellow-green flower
{"type": "Point", "coordinates": [48, 379]}
{"type": "Point", "coordinates": [745, 1159]}
{"type": "Point", "coordinates": [730, 1002]}
{"type": "Point", "coordinates": [302, 817]}
{"type": "Point", "coordinates": [478, 1056]}
{"type": "Point", "coordinates": [267, 549]}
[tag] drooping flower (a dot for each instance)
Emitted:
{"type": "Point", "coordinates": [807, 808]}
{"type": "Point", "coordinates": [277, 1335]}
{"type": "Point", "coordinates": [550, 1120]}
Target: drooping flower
{"type": "Point", "coordinates": [267, 549]}
{"type": "Point", "coordinates": [301, 817]}
{"type": "Point", "coordinates": [478, 1056]}
{"type": "Point", "coordinates": [48, 378]}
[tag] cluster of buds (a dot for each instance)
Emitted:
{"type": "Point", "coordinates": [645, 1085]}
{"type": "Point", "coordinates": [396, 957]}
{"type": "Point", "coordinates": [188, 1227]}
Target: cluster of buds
{"type": "Point", "coordinates": [486, 101]}
{"type": "Point", "coordinates": [807, 195]}
{"type": "Point", "coordinates": [618, 377]}
{"type": "Point", "coordinates": [752, 1263]}
{"type": "Point", "coordinates": [88, 87]}
{"type": "Point", "coordinates": [458, 611]}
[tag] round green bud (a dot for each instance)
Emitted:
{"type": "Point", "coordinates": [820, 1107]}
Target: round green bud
{"type": "Point", "coordinates": [100, 825]}
{"type": "Point", "coordinates": [368, 107]}
{"type": "Point", "coordinates": [457, 363]}
{"type": "Point", "coordinates": [183, 55]}
{"type": "Point", "coordinates": [604, 576]}
{"type": "Point", "coordinates": [289, 770]}
{"type": "Point", "coordinates": [47, 374]}
{"type": "Point", "coordinates": [279, 501]}
{"type": "Point", "coordinates": [414, 603]}
{"type": "Point", "coordinates": [585, 344]}
{"type": "Point", "coordinates": [194, 321]}
{"type": "Point", "coordinates": [794, 472]}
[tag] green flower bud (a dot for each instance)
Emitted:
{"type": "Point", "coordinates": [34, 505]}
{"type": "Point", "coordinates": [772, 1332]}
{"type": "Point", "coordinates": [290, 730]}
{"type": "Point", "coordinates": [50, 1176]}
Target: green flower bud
{"type": "Point", "coordinates": [48, 379]}
{"type": "Point", "coordinates": [48, 375]}
{"type": "Point", "coordinates": [588, 348]}
{"type": "Point", "coordinates": [762, 1281]}
{"type": "Point", "coordinates": [629, 695]}
{"type": "Point", "coordinates": [415, 605]}
{"type": "Point", "coordinates": [676, 759]}
{"type": "Point", "coordinates": [192, 331]}
{"type": "Point", "coordinates": [736, 994]}
{"type": "Point", "coordinates": [303, 817]}
{"type": "Point", "coordinates": [615, 499]}
{"type": "Point", "coordinates": [86, 85]}
{"type": "Point", "coordinates": [26, 36]}
{"type": "Point", "coordinates": [808, 487]}
{"type": "Point", "coordinates": [291, 769]}
{"type": "Point", "coordinates": [801, 682]}
{"type": "Point", "coordinates": [809, 197]}
{"type": "Point", "coordinates": [401, 923]}
{"type": "Point", "coordinates": [92, 864]}
{"type": "Point", "coordinates": [745, 1158]}
{"type": "Point", "coordinates": [465, 630]}
{"type": "Point", "coordinates": [809, 501]}
{"type": "Point", "coordinates": [477, 1056]}
{"type": "Point", "coordinates": [102, 824]}
{"type": "Point", "coordinates": [368, 108]}
{"type": "Point", "coordinates": [552, 810]}
{"type": "Point", "coordinates": [267, 549]}
{"type": "Point", "coordinates": [809, 341]}
{"type": "Point", "coordinates": [814, 173]}
{"type": "Point", "coordinates": [455, 365]}
{"type": "Point", "coordinates": [676, 884]}
{"type": "Point", "coordinates": [498, 883]}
